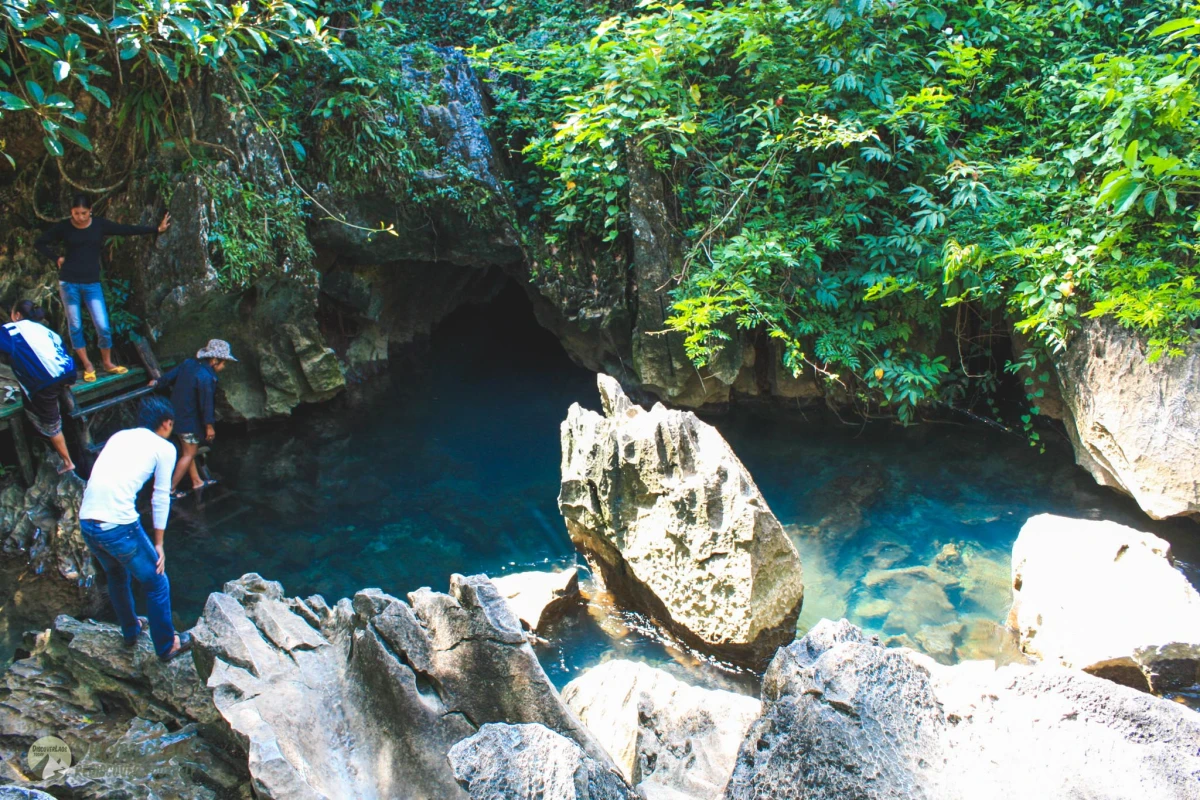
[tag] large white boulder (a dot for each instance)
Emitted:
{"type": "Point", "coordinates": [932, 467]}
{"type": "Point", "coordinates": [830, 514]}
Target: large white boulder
{"type": "Point", "coordinates": [669, 739]}
{"type": "Point", "coordinates": [1107, 599]}
{"type": "Point", "coordinates": [1135, 425]}
{"type": "Point", "coordinates": [674, 527]}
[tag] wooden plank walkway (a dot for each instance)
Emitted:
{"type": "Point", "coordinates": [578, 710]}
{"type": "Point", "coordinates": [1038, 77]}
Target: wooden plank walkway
{"type": "Point", "coordinates": [83, 400]}
{"type": "Point", "coordinates": [103, 386]}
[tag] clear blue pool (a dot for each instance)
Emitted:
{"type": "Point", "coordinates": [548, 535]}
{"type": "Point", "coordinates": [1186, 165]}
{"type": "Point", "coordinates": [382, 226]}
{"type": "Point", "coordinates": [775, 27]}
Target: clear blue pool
{"type": "Point", "coordinates": [450, 463]}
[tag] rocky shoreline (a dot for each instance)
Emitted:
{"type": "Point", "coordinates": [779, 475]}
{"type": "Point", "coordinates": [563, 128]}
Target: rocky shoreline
{"type": "Point", "coordinates": [440, 695]}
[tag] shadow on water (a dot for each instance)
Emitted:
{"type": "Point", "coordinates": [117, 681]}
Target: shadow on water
{"type": "Point", "coordinates": [450, 463]}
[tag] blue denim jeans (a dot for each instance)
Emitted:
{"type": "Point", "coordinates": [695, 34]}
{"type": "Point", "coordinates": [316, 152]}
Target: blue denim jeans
{"type": "Point", "coordinates": [74, 296]}
{"type": "Point", "coordinates": [126, 551]}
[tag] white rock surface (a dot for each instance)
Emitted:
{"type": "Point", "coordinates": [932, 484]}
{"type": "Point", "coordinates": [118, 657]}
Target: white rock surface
{"type": "Point", "coordinates": [538, 598]}
{"type": "Point", "coordinates": [845, 718]}
{"type": "Point", "coordinates": [669, 739]}
{"type": "Point", "coordinates": [531, 762]}
{"type": "Point", "coordinates": [1105, 598]}
{"type": "Point", "coordinates": [674, 527]}
{"type": "Point", "coordinates": [365, 699]}
{"type": "Point", "coordinates": [1135, 425]}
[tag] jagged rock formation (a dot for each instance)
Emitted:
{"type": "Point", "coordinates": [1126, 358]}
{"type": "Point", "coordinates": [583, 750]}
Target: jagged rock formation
{"type": "Point", "coordinates": [531, 762]}
{"type": "Point", "coordinates": [674, 526]}
{"type": "Point", "coordinates": [1135, 425]}
{"type": "Point", "coordinates": [127, 718]}
{"type": "Point", "coordinates": [844, 717]}
{"type": "Point", "coordinates": [1106, 599]}
{"type": "Point", "coordinates": [669, 739]}
{"type": "Point", "coordinates": [366, 698]}
{"type": "Point", "coordinates": [45, 567]}
{"type": "Point", "coordinates": [539, 598]}
{"type": "Point", "coordinates": [659, 358]}
{"type": "Point", "coordinates": [451, 112]}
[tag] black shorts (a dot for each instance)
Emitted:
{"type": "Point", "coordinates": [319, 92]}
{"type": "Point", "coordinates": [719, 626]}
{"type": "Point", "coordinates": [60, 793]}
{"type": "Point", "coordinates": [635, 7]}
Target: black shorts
{"type": "Point", "coordinates": [43, 410]}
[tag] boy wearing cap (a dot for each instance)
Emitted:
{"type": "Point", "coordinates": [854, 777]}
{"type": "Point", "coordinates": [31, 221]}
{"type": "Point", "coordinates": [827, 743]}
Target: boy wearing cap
{"type": "Point", "coordinates": [194, 387]}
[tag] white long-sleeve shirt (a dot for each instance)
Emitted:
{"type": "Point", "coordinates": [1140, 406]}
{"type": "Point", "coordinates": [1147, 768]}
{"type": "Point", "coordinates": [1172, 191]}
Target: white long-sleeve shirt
{"type": "Point", "coordinates": [127, 461]}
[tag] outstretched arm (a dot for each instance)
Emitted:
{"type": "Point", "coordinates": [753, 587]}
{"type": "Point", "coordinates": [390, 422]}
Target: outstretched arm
{"type": "Point", "coordinates": [168, 377]}
{"type": "Point", "coordinates": [42, 243]}
{"type": "Point", "coordinates": [117, 229]}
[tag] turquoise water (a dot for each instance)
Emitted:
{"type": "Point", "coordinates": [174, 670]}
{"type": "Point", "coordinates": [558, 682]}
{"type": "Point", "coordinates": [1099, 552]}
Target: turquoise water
{"type": "Point", "coordinates": [450, 463]}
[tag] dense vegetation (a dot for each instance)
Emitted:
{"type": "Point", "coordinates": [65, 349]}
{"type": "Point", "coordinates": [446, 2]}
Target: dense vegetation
{"type": "Point", "coordinates": [860, 178]}
{"type": "Point", "coordinates": [883, 187]}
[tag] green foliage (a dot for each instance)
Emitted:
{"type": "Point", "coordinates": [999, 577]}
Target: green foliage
{"type": "Point", "coordinates": [121, 320]}
{"type": "Point", "coordinates": [848, 174]}
{"type": "Point", "coordinates": [485, 22]}
{"type": "Point", "coordinates": [52, 53]}
{"type": "Point", "coordinates": [256, 233]}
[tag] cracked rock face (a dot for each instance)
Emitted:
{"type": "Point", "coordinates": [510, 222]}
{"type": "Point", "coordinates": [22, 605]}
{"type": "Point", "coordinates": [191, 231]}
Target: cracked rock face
{"type": "Point", "coordinates": [531, 762]}
{"type": "Point", "coordinates": [676, 528]}
{"type": "Point", "coordinates": [671, 740]}
{"type": "Point", "coordinates": [1107, 599]}
{"type": "Point", "coordinates": [45, 567]}
{"type": "Point", "coordinates": [127, 718]}
{"type": "Point", "coordinates": [365, 699]}
{"type": "Point", "coordinates": [844, 717]}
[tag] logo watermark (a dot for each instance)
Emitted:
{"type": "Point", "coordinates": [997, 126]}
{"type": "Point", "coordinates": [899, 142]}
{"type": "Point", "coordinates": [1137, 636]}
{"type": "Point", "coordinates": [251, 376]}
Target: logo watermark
{"type": "Point", "coordinates": [49, 757]}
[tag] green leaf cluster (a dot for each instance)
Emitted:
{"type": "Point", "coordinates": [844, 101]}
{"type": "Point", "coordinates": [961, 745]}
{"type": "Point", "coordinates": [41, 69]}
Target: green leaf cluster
{"type": "Point", "coordinates": [52, 53]}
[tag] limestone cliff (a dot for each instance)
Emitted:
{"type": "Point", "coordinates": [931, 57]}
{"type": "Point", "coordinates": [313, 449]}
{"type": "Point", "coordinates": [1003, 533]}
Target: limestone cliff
{"type": "Point", "coordinates": [1135, 425]}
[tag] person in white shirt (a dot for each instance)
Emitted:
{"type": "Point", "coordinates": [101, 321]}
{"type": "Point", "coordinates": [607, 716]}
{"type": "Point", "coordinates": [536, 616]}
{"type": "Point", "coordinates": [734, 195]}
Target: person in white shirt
{"type": "Point", "coordinates": [113, 530]}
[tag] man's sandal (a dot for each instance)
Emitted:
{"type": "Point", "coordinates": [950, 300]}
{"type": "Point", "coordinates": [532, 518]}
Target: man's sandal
{"type": "Point", "coordinates": [117, 370]}
{"type": "Point", "coordinates": [185, 644]}
{"type": "Point", "coordinates": [89, 377]}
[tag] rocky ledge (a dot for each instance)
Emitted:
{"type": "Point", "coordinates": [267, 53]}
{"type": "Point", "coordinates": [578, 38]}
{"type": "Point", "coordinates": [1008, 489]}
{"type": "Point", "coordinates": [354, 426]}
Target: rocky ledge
{"type": "Point", "coordinates": [128, 719]}
{"type": "Point", "coordinates": [442, 697]}
{"type": "Point", "coordinates": [844, 717]}
{"type": "Point", "coordinates": [45, 567]}
{"type": "Point", "coordinates": [366, 698]}
{"type": "Point", "coordinates": [1106, 599]}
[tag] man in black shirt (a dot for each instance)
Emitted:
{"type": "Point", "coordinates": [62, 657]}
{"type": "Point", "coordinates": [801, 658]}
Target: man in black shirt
{"type": "Point", "coordinates": [79, 275]}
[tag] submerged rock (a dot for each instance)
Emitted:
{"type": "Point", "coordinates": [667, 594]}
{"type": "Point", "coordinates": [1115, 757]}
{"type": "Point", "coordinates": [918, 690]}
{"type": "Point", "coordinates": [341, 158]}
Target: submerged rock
{"type": "Point", "coordinates": [669, 739]}
{"type": "Point", "coordinates": [531, 762]}
{"type": "Point", "coordinates": [1135, 425]}
{"type": "Point", "coordinates": [128, 719]}
{"type": "Point", "coordinates": [539, 598]}
{"type": "Point", "coordinates": [366, 699]}
{"type": "Point", "coordinates": [844, 717]}
{"type": "Point", "coordinates": [1107, 599]}
{"type": "Point", "coordinates": [674, 526]}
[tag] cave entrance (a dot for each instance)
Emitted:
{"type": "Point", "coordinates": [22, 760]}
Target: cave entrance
{"type": "Point", "coordinates": [398, 315]}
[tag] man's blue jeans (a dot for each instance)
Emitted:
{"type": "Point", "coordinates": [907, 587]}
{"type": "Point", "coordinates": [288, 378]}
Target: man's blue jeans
{"type": "Point", "coordinates": [125, 551]}
{"type": "Point", "coordinates": [74, 297]}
